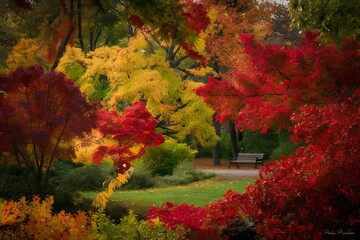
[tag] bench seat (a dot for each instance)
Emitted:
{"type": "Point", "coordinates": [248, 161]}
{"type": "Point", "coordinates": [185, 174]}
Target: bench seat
{"type": "Point", "coordinates": [248, 158]}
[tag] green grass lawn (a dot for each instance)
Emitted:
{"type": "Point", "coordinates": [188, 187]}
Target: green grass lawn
{"type": "Point", "coordinates": [199, 194]}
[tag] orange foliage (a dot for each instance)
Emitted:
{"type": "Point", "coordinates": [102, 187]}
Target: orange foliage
{"type": "Point", "coordinates": [35, 220]}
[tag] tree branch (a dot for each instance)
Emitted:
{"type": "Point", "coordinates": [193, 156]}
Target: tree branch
{"type": "Point", "coordinates": [282, 74]}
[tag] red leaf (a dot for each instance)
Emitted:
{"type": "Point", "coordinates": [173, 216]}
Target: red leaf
{"type": "Point", "coordinates": [135, 20]}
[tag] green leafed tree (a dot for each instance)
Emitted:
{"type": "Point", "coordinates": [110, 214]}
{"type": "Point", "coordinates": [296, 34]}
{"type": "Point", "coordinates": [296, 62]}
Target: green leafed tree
{"type": "Point", "coordinates": [334, 19]}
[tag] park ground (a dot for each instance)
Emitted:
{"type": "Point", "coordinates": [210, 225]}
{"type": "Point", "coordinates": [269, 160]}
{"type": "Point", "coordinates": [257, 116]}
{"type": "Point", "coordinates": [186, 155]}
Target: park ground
{"type": "Point", "coordinates": [224, 172]}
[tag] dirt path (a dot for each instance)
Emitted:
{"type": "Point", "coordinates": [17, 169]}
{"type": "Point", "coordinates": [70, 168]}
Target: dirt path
{"type": "Point", "coordinates": [245, 171]}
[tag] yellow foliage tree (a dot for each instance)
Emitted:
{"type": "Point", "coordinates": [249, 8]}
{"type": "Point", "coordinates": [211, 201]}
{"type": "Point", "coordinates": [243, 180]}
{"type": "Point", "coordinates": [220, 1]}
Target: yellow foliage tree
{"type": "Point", "coordinates": [119, 76]}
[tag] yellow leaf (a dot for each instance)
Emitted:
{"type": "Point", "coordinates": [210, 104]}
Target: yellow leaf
{"type": "Point", "coordinates": [26, 53]}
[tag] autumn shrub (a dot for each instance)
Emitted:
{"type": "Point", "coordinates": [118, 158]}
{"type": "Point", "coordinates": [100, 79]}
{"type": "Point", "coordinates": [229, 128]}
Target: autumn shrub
{"type": "Point", "coordinates": [84, 177]}
{"type": "Point", "coordinates": [187, 170]}
{"type": "Point", "coordinates": [316, 189]}
{"type": "Point", "coordinates": [184, 173]}
{"type": "Point", "coordinates": [35, 220]}
{"type": "Point", "coordinates": [163, 159]}
{"type": "Point", "coordinates": [130, 227]}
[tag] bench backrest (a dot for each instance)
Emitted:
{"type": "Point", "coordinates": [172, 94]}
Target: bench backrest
{"type": "Point", "coordinates": [250, 156]}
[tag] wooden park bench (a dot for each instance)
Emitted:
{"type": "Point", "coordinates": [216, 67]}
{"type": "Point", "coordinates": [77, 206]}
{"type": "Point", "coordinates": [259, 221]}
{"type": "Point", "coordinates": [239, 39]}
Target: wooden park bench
{"type": "Point", "coordinates": [248, 158]}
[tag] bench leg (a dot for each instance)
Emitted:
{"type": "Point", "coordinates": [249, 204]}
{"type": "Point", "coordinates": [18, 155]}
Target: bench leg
{"type": "Point", "coordinates": [237, 164]}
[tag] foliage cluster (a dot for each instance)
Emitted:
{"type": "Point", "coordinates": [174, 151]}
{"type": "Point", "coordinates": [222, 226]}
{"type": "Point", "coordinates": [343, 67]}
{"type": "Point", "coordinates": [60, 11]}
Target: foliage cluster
{"type": "Point", "coordinates": [315, 188]}
{"type": "Point", "coordinates": [16, 183]}
{"type": "Point", "coordinates": [130, 143]}
{"type": "Point", "coordinates": [131, 228]}
{"type": "Point", "coordinates": [35, 220]}
{"type": "Point", "coordinates": [334, 20]}
{"type": "Point", "coordinates": [281, 80]}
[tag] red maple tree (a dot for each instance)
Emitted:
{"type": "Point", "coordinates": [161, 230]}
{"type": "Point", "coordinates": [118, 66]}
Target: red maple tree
{"type": "Point", "coordinates": [277, 80]}
{"type": "Point", "coordinates": [40, 112]}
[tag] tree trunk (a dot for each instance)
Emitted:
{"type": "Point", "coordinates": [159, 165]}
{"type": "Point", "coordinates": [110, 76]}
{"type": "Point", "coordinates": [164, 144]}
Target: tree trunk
{"type": "Point", "coordinates": [233, 138]}
{"type": "Point", "coordinates": [79, 22]}
{"type": "Point", "coordinates": [216, 149]}
{"type": "Point", "coordinates": [64, 43]}
{"type": "Point", "coordinates": [91, 39]}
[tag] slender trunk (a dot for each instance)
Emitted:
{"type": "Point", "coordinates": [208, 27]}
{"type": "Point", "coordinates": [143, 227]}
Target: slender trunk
{"type": "Point", "coordinates": [20, 166]}
{"type": "Point", "coordinates": [19, 163]}
{"type": "Point", "coordinates": [79, 24]}
{"type": "Point", "coordinates": [97, 39]}
{"type": "Point", "coordinates": [91, 39]}
{"type": "Point", "coordinates": [216, 151]}
{"type": "Point", "coordinates": [55, 150]}
{"type": "Point", "coordinates": [233, 138]}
